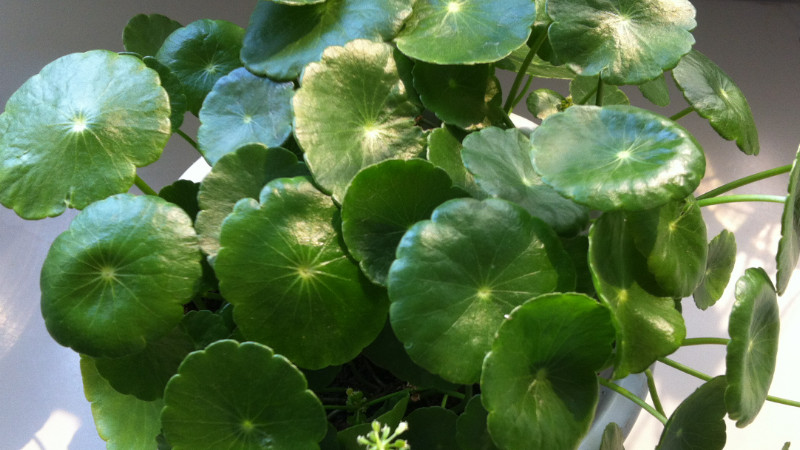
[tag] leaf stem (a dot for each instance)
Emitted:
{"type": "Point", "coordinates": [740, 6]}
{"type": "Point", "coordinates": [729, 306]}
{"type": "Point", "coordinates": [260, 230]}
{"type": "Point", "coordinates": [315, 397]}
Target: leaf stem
{"type": "Point", "coordinates": [746, 180]}
{"type": "Point", "coordinates": [144, 187]}
{"type": "Point", "coordinates": [598, 101]}
{"type": "Point", "coordinates": [386, 397]}
{"type": "Point", "coordinates": [651, 386]}
{"type": "Point", "coordinates": [512, 94]}
{"type": "Point", "coordinates": [702, 341]}
{"type": "Point", "coordinates": [681, 114]}
{"type": "Point", "coordinates": [522, 92]}
{"type": "Point", "coordinates": [586, 97]}
{"type": "Point", "coordinates": [741, 198]}
{"type": "Point", "coordinates": [188, 139]}
{"type": "Point", "coordinates": [630, 396]}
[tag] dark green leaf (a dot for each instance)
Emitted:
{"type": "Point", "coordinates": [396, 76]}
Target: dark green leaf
{"type": "Point", "coordinates": [583, 90]}
{"type": "Point", "coordinates": [721, 259]}
{"type": "Point", "coordinates": [656, 91]}
{"type": "Point", "coordinates": [789, 245]}
{"type": "Point", "coordinates": [459, 95]}
{"type": "Point", "coordinates": [538, 67]}
{"type": "Point", "coordinates": [144, 34]}
{"type": "Point", "coordinates": [184, 194]}
{"type": "Point", "coordinates": [444, 150]}
{"type": "Point", "coordinates": [174, 88]}
{"type": "Point", "coordinates": [471, 431]}
{"type": "Point", "coordinates": [391, 418]}
{"type": "Point", "coordinates": [431, 428]}
{"type": "Point", "coordinates": [697, 423]}
{"type": "Point", "coordinates": [578, 250]}
{"type": "Point", "coordinates": [204, 327]}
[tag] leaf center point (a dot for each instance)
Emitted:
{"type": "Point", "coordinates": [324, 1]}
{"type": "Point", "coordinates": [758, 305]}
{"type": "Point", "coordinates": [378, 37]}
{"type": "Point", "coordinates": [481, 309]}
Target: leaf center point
{"type": "Point", "coordinates": [453, 7]}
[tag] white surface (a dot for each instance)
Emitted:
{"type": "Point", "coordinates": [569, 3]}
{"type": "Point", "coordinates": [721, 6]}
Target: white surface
{"type": "Point", "coordinates": [41, 399]}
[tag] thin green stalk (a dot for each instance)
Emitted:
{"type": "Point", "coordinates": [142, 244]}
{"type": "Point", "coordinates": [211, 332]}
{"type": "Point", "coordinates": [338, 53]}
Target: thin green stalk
{"type": "Point", "coordinates": [444, 401]}
{"type": "Point", "coordinates": [337, 407]}
{"type": "Point", "coordinates": [385, 397]}
{"type": "Point", "coordinates": [746, 180]}
{"type": "Point", "coordinates": [144, 187]}
{"type": "Point", "coordinates": [188, 139]}
{"type": "Point", "coordinates": [741, 198]}
{"type": "Point", "coordinates": [454, 394]}
{"type": "Point", "coordinates": [586, 97]}
{"type": "Point", "coordinates": [507, 120]}
{"type": "Point", "coordinates": [651, 386]}
{"type": "Point", "coordinates": [512, 94]}
{"type": "Point", "coordinates": [703, 341]}
{"type": "Point", "coordinates": [681, 114]}
{"type": "Point", "coordinates": [522, 92]}
{"type": "Point", "coordinates": [600, 87]}
{"type": "Point", "coordinates": [630, 396]}
{"type": "Point", "coordinates": [705, 377]}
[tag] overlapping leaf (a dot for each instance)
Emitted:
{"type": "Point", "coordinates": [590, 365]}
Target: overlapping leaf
{"type": "Point", "coordinates": [656, 91]}
{"type": "Point", "coordinates": [789, 245]}
{"type": "Point", "coordinates": [544, 102]}
{"type": "Point", "coordinates": [174, 88]}
{"type": "Point", "coordinates": [145, 33]}
{"type": "Point", "coordinates": [444, 150]}
{"type": "Point", "coordinates": [471, 430]}
{"type": "Point", "coordinates": [352, 111]}
{"type": "Point", "coordinates": [584, 90]}
{"type": "Point", "coordinates": [697, 423]}
{"type": "Point", "coordinates": [720, 263]}
{"type": "Point", "coordinates": [457, 274]}
{"type": "Point", "coordinates": [76, 132]}
{"type": "Point", "coordinates": [432, 428]}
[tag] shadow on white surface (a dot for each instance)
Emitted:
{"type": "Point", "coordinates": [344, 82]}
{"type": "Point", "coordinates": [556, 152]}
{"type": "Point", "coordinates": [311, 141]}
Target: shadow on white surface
{"type": "Point", "coordinates": [56, 433]}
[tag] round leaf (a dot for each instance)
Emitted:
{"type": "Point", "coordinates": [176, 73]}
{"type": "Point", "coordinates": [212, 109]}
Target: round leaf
{"type": "Point", "coordinates": [624, 41]}
{"type": "Point", "coordinates": [459, 95]}
{"type": "Point", "coordinates": [444, 150]}
{"type": "Point", "coordinates": [144, 34]}
{"type": "Point", "coordinates": [717, 98]}
{"type": "Point", "coordinates": [720, 263]}
{"type": "Point", "coordinates": [200, 54]}
{"type": "Point", "coordinates": [471, 431]}
{"type": "Point", "coordinates": [76, 132]}
{"type": "Point", "coordinates": [243, 109]}
{"type": "Point", "coordinates": [466, 31]}
{"type": "Point", "coordinates": [754, 327]}
{"type": "Point", "coordinates": [544, 102]}
{"type": "Point", "coordinates": [431, 428]}
{"type": "Point", "coordinates": [459, 273]}
{"type": "Point", "coordinates": [351, 111]}
{"type": "Point", "coordinates": [281, 39]}
{"type": "Point", "coordinates": [291, 283]}
{"type": "Point", "coordinates": [238, 175]}
{"type": "Point", "coordinates": [697, 423]}
{"type": "Point", "coordinates": [259, 400]}
{"type": "Point", "coordinates": [382, 202]}
{"type": "Point", "coordinates": [789, 244]}
{"type": "Point", "coordinates": [617, 157]}
{"type": "Point", "coordinates": [500, 162]}
{"type": "Point", "coordinates": [119, 276]}
{"type": "Point", "coordinates": [539, 383]}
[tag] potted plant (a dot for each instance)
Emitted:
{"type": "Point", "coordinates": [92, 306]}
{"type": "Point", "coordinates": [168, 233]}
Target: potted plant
{"type": "Point", "coordinates": [379, 256]}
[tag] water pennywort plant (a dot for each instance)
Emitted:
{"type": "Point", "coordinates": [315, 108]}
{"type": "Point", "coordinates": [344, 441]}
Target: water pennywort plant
{"type": "Point", "coordinates": [376, 242]}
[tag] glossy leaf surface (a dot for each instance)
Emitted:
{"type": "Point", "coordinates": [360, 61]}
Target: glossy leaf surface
{"type": "Point", "coordinates": [282, 39]}
{"type": "Point", "coordinates": [260, 400]}
{"type": "Point", "coordinates": [444, 150]}
{"type": "Point", "coordinates": [789, 244]}
{"type": "Point", "coordinates": [466, 31]}
{"type": "Point", "coordinates": [119, 276]}
{"type": "Point", "coordinates": [238, 175]}
{"type": "Point", "coordinates": [539, 383]}
{"type": "Point", "coordinates": [697, 423]}
{"type": "Point", "coordinates": [145, 33]}
{"type": "Point", "coordinates": [459, 95]}
{"type": "Point", "coordinates": [76, 132]}
{"type": "Point", "coordinates": [382, 202]}
{"type": "Point", "coordinates": [200, 54]}
{"type": "Point", "coordinates": [141, 422]}
{"type": "Point", "coordinates": [459, 273]}
{"type": "Point", "coordinates": [647, 326]}
{"type": "Point", "coordinates": [282, 266]}
{"type": "Point", "coordinates": [241, 109]}
{"type": "Point", "coordinates": [501, 164]}
{"type": "Point", "coordinates": [353, 110]}
{"type": "Point", "coordinates": [754, 327]}
{"type": "Point", "coordinates": [471, 430]}
{"type": "Point", "coordinates": [714, 96]}
{"type": "Point", "coordinates": [174, 88]}
{"type": "Point", "coordinates": [624, 41]}
{"type": "Point", "coordinates": [617, 157]}
{"type": "Point", "coordinates": [719, 266]}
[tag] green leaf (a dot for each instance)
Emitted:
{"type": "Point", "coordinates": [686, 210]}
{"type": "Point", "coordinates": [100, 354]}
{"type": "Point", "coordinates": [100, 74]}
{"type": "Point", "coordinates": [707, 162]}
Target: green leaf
{"type": "Point", "coordinates": [200, 54]}
{"type": "Point", "coordinates": [538, 68]}
{"type": "Point", "coordinates": [471, 431]}
{"type": "Point", "coordinates": [119, 276]}
{"type": "Point", "coordinates": [578, 250]}
{"type": "Point", "coordinates": [292, 285]}
{"type": "Point", "coordinates": [673, 239]}
{"type": "Point", "coordinates": [501, 164]}
{"type": "Point", "coordinates": [241, 109]}
{"type": "Point", "coordinates": [459, 95]}
{"type": "Point", "coordinates": [459, 273]}
{"type": "Point", "coordinates": [613, 439]}
{"type": "Point", "coordinates": [544, 102]}
{"type": "Point", "coordinates": [431, 428]}
{"type": "Point", "coordinates": [75, 133]}
{"type": "Point", "coordinates": [624, 41]}
{"type": "Point", "coordinates": [382, 202]}
{"type": "Point", "coordinates": [144, 34]}
{"type": "Point", "coordinates": [754, 327]}
{"type": "Point", "coordinates": [656, 91]}
{"type": "Point", "coordinates": [347, 437]}
{"type": "Point", "coordinates": [719, 266]}
{"type": "Point", "coordinates": [281, 39]}
{"type": "Point", "coordinates": [583, 90]}
{"type": "Point", "coordinates": [539, 383]}
{"type": "Point", "coordinates": [466, 31]}
{"type": "Point", "coordinates": [647, 326]}
{"type": "Point", "coordinates": [617, 157]}
{"type": "Point", "coordinates": [259, 400]}
{"type": "Point", "coordinates": [204, 327]}
{"type": "Point", "coordinates": [717, 98]}
{"type": "Point", "coordinates": [174, 88]}
{"type": "Point", "coordinates": [351, 111]}
{"type": "Point", "coordinates": [789, 244]}
{"type": "Point", "coordinates": [444, 150]}
{"type": "Point", "coordinates": [141, 422]}
{"type": "Point", "coordinates": [184, 194]}
{"type": "Point", "coordinates": [238, 175]}
{"type": "Point", "coordinates": [697, 423]}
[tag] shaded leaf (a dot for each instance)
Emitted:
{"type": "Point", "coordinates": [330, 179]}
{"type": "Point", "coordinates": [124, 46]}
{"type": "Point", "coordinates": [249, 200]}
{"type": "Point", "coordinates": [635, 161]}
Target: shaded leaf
{"type": "Point", "coordinates": [145, 33]}
{"type": "Point", "coordinates": [789, 244]}
{"type": "Point", "coordinates": [431, 428]}
{"type": "Point", "coordinates": [656, 91]}
{"type": "Point", "coordinates": [471, 431]}
{"type": "Point", "coordinates": [719, 266]}
{"type": "Point", "coordinates": [697, 423]}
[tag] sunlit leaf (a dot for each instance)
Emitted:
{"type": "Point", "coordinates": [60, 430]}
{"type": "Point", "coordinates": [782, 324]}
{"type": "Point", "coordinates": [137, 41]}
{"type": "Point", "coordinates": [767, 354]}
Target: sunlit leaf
{"type": "Point", "coordinates": [444, 150]}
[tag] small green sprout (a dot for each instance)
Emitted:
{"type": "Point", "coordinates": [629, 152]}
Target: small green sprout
{"type": "Point", "coordinates": [380, 439]}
